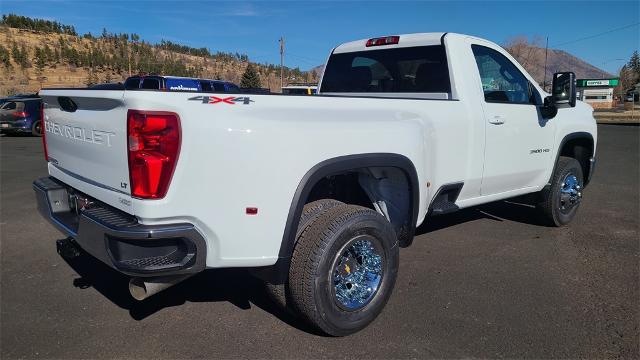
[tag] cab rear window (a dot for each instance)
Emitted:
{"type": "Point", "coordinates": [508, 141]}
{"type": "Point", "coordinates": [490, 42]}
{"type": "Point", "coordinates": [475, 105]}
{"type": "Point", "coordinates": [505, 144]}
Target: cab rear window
{"type": "Point", "coordinates": [420, 69]}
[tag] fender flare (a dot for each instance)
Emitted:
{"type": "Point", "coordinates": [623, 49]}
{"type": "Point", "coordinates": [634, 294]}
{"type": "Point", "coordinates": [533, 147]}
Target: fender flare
{"type": "Point", "coordinates": [341, 164]}
{"type": "Point", "coordinates": [567, 138]}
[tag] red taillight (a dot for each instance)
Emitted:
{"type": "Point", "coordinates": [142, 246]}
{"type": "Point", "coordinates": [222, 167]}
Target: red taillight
{"type": "Point", "coordinates": [153, 138]}
{"type": "Point", "coordinates": [387, 40]}
{"type": "Point", "coordinates": [21, 114]}
{"type": "Point", "coordinates": [43, 128]}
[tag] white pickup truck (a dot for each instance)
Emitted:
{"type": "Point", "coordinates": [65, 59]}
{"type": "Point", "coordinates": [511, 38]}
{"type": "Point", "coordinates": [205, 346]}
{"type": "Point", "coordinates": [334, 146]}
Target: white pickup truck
{"type": "Point", "coordinates": [315, 194]}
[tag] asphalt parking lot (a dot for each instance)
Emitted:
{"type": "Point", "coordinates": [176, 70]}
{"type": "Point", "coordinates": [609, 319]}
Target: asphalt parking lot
{"type": "Point", "coordinates": [486, 282]}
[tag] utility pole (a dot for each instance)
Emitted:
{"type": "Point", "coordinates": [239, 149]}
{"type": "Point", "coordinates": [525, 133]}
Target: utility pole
{"type": "Point", "coordinates": [546, 49]}
{"type": "Point", "coordinates": [281, 62]}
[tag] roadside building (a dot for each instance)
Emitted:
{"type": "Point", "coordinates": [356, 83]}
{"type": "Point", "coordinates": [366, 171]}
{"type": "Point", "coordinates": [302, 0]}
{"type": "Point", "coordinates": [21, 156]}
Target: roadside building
{"type": "Point", "coordinates": [596, 92]}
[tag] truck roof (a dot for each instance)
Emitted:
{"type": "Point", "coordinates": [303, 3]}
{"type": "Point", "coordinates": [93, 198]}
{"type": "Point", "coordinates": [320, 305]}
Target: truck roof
{"type": "Point", "coordinates": [179, 77]}
{"type": "Point", "coordinates": [406, 40]}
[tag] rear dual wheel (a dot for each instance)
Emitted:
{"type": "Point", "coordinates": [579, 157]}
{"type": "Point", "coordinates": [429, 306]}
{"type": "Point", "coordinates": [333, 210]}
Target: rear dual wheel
{"type": "Point", "coordinates": [278, 292]}
{"type": "Point", "coordinates": [343, 267]}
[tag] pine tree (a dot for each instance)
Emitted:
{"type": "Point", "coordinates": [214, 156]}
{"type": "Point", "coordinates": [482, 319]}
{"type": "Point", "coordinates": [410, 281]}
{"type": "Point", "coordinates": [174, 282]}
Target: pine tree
{"type": "Point", "coordinates": [250, 78]}
{"type": "Point", "coordinates": [92, 79]}
{"type": "Point", "coordinates": [5, 57]}
{"type": "Point", "coordinates": [24, 62]}
{"type": "Point", "coordinates": [41, 61]}
{"type": "Point", "coordinates": [634, 65]}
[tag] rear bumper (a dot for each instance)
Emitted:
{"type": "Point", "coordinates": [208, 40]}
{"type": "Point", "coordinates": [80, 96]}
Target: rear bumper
{"type": "Point", "coordinates": [117, 239]}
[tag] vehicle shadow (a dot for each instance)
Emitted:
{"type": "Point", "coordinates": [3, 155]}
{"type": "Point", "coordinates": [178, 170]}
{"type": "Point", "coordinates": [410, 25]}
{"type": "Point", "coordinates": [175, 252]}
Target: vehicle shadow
{"type": "Point", "coordinates": [241, 289]}
{"type": "Point", "coordinates": [507, 210]}
{"type": "Point", "coordinates": [236, 286]}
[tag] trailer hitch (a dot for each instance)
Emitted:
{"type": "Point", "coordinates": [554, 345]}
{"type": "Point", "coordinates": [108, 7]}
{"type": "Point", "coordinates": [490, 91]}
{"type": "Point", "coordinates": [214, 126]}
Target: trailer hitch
{"type": "Point", "coordinates": [67, 248]}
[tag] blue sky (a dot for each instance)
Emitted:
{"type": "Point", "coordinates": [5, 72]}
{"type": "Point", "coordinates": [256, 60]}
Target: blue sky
{"type": "Point", "coordinates": [312, 28]}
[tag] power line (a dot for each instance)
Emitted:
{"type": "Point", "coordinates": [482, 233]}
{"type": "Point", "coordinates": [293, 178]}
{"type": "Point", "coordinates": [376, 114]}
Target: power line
{"type": "Point", "coordinates": [596, 35]}
{"type": "Point", "coordinates": [305, 60]}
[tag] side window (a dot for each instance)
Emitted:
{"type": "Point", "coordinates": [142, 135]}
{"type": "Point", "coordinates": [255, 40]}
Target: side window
{"type": "Point", "coordinates": [151, 83]}
{"type": "Point", "coordinates": [9, 106]}
{"type": "Point", "coordinates": [132, 83]}
{"type": "Point", "coordinates": [502, 82]}
{"type": "Point", "coordinates": [206, 86]}
{"type": "Point", "coordinates": [218, 87]}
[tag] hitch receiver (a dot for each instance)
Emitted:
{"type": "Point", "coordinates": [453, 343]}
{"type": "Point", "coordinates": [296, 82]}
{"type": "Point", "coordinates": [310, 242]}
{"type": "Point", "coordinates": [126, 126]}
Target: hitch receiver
{"type": "Point", "coordinates": [67, 248]}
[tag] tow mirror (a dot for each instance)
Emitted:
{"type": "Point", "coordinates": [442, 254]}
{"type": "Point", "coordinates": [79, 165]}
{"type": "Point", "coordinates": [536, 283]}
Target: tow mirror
{"type": "Point", "coordinates": [563, 90]}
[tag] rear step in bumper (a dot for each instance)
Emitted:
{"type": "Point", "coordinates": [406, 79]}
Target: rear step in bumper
{"type": "Point", "coordinates": [117, 239]}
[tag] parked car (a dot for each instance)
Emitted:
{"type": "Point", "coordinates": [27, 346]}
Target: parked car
{"type": "Point", "coordinates": [313, 194]}
{"type": "Point", "coordinates": [174, 83]}
{"type": "Point", "coordinates": [21, 115]}
{"type": "Point", "coordinates": [19, 96]}
{"type": "Point", "coordinates": [108, 86]}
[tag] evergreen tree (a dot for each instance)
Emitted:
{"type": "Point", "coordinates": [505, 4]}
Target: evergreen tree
{"type": "Point", "coordinates": [5, 57]}
{"type": "Point", "coordinates": [634, 65]}
{"type": "Point", "coordinates": [41, 60]}
{"type": "Point", "coordinates": [250, 78]}
{"type": "Point", "coordinates": [15, 52]}
{"type": "Point", "coordinates": [20, 55]}
{"type": "Point", "coordinates": [48, 54]}
{"type": "Point", "coordinates": [92, 79]}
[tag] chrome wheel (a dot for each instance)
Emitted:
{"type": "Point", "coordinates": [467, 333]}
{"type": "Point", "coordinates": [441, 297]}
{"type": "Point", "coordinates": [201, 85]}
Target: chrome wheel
{"type": "Point", "coordinates": [570, 193]}
{"type": "Point", "coordinates": [357, 273]}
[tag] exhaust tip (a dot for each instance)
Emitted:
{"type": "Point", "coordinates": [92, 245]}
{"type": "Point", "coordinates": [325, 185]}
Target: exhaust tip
{"type": "Point", "coordinates": [142, 288]}
{"type": "Point", "coordinates": [138, 289]}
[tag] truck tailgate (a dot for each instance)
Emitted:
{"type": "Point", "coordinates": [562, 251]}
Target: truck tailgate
{"type": "Point", "coordinates": [86, 136]}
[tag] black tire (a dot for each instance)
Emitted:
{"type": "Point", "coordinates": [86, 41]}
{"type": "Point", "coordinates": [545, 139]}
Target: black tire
{"type": "Point", "coordinates": [557, 207]}
{"type": "Point", "coordinates": [278, 292]}
{"type": "Point", "coordinates": [317, 261]}
{"type": "Point", "coordinates": [36, 128]}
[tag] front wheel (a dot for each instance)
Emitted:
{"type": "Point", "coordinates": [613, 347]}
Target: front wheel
{"type": "Point", "coordinates": [343, 269]}
{"type": "Point", "coordinates": [561, 199]}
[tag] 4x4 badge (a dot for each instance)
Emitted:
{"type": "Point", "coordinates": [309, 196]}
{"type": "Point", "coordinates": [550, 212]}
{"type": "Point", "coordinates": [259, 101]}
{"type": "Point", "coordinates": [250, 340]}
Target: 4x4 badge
{"type": "Point", "coordinates": [223, 100]}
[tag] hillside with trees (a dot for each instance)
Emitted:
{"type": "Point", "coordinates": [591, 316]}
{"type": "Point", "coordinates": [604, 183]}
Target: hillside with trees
{"type": "Point", "coordinates": [37, 53]}
{"type": "Point", "coordinates": [531, 55]}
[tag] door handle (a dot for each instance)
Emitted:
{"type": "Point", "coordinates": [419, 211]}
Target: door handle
{"type": "Point", "coordinates": [497, 120]}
